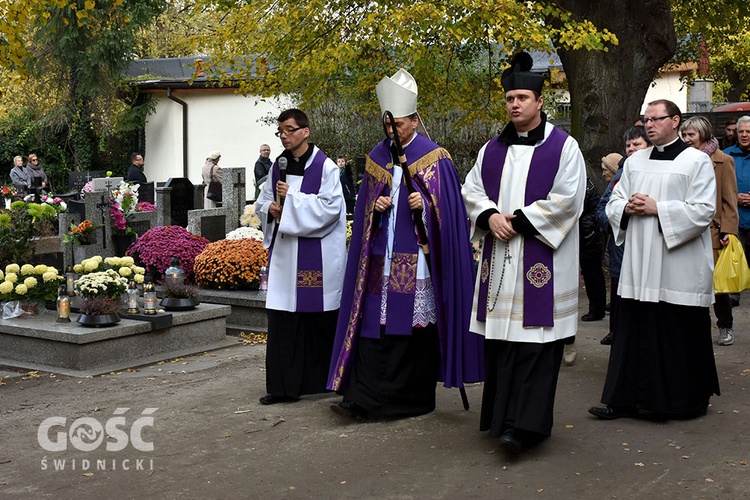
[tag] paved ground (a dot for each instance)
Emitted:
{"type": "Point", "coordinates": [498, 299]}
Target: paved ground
{"type": "Point", "coordinates": [211, 439]}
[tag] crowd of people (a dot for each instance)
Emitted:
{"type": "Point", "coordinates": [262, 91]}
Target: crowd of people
{"type": "Point", "coordinates": [408, 306]}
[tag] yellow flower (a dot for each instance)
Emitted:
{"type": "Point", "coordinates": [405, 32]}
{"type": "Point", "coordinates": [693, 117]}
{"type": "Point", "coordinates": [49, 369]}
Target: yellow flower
{"type": "Point", "coordinates": [138, 278]}
{"type": "Point", "coordinates": [27, 269]}
{"type": "Point", "coordinates": [90, 265]}
{"type": "Point", "coordinates": [78, 269]}
{"type": "Point", "coordinates": [127, 261]}
{"type": "Point", "coordinates": [30, 282]}
{"type": "Point", "coordinates": [21, 289]}
{"type": "Point", "coordinates": [40, 269]}
{"type": "Point", "coordinates": [52, 269]}
{"type": "Point", "coordinates": [6, 287]}
{"type": "Point", "coordinates": [125, 271]}
{"type": "Point", "coordinates": [2, 275]}
{"type": "Point", "coordinates": [139, 270]}
{"type": "Point", "coordinates": [12, 268]}
{"type": "Point", "coordinates": [12, 277]}
{"type": "Point", "coordinates": [49, 276]}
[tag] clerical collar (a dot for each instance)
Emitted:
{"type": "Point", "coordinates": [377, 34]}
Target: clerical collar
{"type": "Point", "coordinates": [410, 140]}
{"type": "Point", "coordinates": [668, 152]}
{"type": "Point", "coordinates": [530, 138]}
{"type": "Point", "coordinates": [296, 166]}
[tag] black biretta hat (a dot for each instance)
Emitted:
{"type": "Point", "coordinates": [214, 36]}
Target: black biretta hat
{"type": "Point", "coordinates": [519, 75]}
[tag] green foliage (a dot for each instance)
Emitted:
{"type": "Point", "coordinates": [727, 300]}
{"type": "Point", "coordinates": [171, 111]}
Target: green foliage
{"type": "Point", "coordinates": [724, 29]}
{"type": "Point", "coordinates": [16, 237]}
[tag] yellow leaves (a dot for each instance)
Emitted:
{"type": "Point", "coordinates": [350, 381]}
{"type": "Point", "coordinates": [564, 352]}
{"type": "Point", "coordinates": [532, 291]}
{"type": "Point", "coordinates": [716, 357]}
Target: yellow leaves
{"type": "Point", "coordinates": [89, 4]}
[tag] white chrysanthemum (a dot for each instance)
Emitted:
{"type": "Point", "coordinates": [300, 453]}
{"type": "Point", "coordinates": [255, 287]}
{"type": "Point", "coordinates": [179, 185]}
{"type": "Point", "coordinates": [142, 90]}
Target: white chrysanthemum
{"type": "Point", "coordinates": [2, 275]}
{"type": "Point", "coordinates": [125, 271]}
{"type": "Point", "coordinates": [12, 277]}
{"type": "Point", "coordinates": [30, 282]}
{"type": "Point", "coordinates": [128, 261]}
{"type": "Point", "coordinates": [12, 268]}
{"type": "Point", "coordinates": [139, 270]}
{"type": "Point", "coordinates": [49, 276]}
{"type": "Point", "coordinates": [138, 278]}
{"type": "Point", "coordinates": [52, 269]}
{"type": "Point", "coordinates": [40, 269]}
{"type": "Point", "coordinates": [78, 269]}
{"type": "Point", "coordinates": [245, 232]}
{"type": "Point", "coordinates": [6, 287]}
{"type": "Point", "coordinates": [97, 258]}
{"type": "Point", "coordinates": [21, 289]}
{"type": "Point", "coordinates": [27, 269]}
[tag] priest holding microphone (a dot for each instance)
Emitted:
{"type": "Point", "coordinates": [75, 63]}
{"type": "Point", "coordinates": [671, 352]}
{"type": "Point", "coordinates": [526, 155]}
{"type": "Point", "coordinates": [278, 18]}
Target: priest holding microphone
{"type": "Point", "coordinates": [304, 217]}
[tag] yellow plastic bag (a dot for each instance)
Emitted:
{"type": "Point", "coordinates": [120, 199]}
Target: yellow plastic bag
{"type": "Point", "coordinates": [731, 273]}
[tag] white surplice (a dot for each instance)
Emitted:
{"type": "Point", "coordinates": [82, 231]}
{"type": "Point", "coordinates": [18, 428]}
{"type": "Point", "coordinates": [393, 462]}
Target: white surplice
{"type": "Point", "coordinates": [556, 219]}
{"type": "Point", "coordinates": [321, 215]}
{"type": "Point", "coordinates": [667, 257]}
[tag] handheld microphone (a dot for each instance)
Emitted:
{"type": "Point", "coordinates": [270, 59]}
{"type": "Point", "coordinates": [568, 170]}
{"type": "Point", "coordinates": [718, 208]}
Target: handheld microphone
{"type": "Point", "coordinates": [282, 169]}
{"type": "Point", "coordinates": [282, 177]}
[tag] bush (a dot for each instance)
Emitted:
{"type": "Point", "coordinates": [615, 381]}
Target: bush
{"type": "Point", "coordinates": [231, 264]}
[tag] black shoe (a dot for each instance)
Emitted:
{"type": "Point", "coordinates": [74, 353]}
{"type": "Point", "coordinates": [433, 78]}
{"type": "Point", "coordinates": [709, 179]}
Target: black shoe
{"type": "Point", "coordinates": [270, 399]}
{"type": "Point", "coordinates": [591, 317]}
{"type": "Point", "coordinates": [510, 442]}
{"type": "Point", "coordinates": [610, 413]}
{"type": "Point", "coordinates": [607, 340]}
{"type": "Point", "coordinates": [349, 409]}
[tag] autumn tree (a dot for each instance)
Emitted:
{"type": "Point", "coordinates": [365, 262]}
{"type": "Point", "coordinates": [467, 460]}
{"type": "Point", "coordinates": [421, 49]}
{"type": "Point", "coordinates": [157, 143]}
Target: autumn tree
{"type": "Point", "coordinates": [724, 31]}
{"type": "Point", "coordinates": [322, 49]}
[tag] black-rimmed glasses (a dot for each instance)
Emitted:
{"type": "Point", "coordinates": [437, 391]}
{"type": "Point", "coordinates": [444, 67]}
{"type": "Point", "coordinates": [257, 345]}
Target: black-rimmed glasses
{"type": "Point", "coordinates": [288, 132]}
{"type": "Point", "coordinates": [657, 119]}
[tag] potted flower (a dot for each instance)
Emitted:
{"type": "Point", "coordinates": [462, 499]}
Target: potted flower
{"type": "Point", "coordinates": [101, 291]}
{"type": "Point", "coordinates": [25, 288]}
{"type": "Point", "coordinates": [81, 234]}
{"type": "Point", "coordinates": [231, 264]}
{"type": "Point", "coordinates": [8, 193]}
{"type": "Point", "coordinates": [155, 248]}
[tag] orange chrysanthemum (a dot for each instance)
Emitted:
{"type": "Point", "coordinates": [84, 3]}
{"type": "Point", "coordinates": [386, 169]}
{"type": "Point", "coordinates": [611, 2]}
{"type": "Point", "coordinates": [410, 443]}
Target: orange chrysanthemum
{"type": "Point", "coordinates": [231, 264]}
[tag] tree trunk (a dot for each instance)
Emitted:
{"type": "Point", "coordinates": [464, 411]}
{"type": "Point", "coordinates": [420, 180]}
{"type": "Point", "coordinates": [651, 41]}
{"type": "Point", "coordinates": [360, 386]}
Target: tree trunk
{"type": "Point", "coordinates": [738, 84]}
{"type": "Point", "coordinates": [607, 88]}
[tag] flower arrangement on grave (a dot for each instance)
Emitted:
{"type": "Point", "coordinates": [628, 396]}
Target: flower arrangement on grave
{"type": "Point", "coordinates": [126, 195]}
{"type": "Point", "coordinates": [125, 267]}
{"type": "Point", "coordinates": [155, 248]}
{"type": "Point", "coordinates": [145, 206]}
{"type": "Point", "coordinates": [44, 215]}
{"type": "Point", "coordinates": [28, 282]}
{"type": "Point", "coordinates": [57, 203]}
{"type": "Point", "coordinates": [17, 232]}
{"type": "Point", "coordinates": [245, 232]}
{"type": "Point", "coordinates": [231, 264]}
{"type": "Point", "coordinates": [8, 192]}
{"type": "Point", "coordinates": [101, 291]}
{"type": "Point", "coordinates": [80, 234]}
{"type": "Point", "coordinates": [87, 188]}
{"type": "Point", "coordinates": [249, 218]}
{"type": "Point", "coordinates": [119, 220]}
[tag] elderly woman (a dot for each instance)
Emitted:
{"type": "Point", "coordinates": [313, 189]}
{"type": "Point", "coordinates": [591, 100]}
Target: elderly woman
{"type": "Point", "coordinates": [697, 132]}
{"type": "Point", "coordinates": [610, 165]}
{"type": "Point", "coordinates": [18, 174]}
{"type": "Point", "coordinates": [211, 172]}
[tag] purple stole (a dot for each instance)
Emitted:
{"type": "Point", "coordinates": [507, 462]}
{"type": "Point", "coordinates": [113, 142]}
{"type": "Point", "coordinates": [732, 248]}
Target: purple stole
{"type": "Point", "coordinates": [538, 270]}
{"type": "Point", "coordinates": [402, 280]}
{"type": "Point", "coordinates": [309, 252]}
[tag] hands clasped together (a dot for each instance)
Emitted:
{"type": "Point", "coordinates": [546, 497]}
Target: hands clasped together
{"type": "Point", "coordinates": [641, 204]}
{"type": "Point", "coordinates": [383, 203]}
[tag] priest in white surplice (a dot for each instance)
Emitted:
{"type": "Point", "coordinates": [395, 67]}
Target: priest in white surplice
{"type": "Point", "coordinates": [524, 197]}
{"type": "Point", "coordinates": [661, 362]}
{"type": "Point", "coordinates": [306, 237]}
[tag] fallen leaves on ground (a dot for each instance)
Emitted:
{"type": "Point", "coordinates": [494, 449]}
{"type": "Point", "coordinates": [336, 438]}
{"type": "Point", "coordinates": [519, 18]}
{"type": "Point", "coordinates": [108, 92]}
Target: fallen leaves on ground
{"type": "Point", "coordinates": [253, 338]}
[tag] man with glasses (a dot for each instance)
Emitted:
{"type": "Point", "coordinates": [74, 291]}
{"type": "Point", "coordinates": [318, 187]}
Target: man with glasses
{"type": "Point", "coordinates": [135, 172]}
{"type": "Point", "coordinates": [740, 153]}
{"type": "Point", "coordinates": [304, 220]}
{"type": "Point", "coordinates": [262, 167]}
{"type": "Point", "coordinates": [662, 364]}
